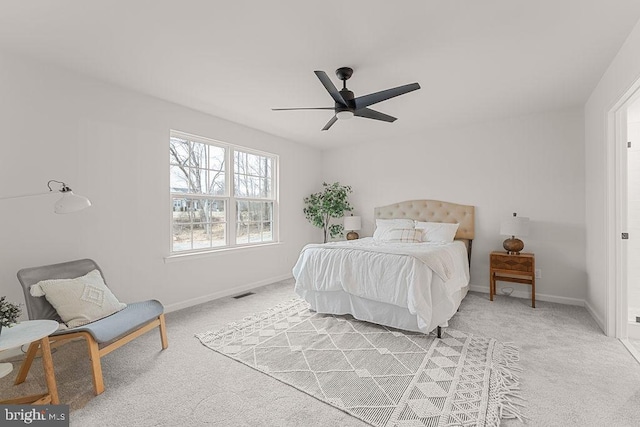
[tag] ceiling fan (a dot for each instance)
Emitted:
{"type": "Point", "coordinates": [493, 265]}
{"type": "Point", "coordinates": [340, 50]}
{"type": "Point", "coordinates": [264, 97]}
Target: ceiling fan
{"type": "Point", "coordinates": [347, 105]}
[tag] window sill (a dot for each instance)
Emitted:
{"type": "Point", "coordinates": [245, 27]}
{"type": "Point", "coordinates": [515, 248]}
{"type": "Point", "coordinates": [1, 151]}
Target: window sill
{"type": "Point", "coordinates": [214, 252]}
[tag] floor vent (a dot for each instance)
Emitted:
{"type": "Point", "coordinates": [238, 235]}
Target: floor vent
{"type": "Point", "coordinates": [246, 294]}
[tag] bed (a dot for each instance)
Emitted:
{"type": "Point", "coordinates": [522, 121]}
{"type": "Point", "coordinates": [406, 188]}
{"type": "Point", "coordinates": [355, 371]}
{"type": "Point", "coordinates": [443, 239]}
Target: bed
{"type": "Point", "coordinates": [410, 286]}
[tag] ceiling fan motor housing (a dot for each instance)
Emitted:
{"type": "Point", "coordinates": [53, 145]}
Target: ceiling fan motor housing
{"type": "Point", "coordinates": [348, 96]}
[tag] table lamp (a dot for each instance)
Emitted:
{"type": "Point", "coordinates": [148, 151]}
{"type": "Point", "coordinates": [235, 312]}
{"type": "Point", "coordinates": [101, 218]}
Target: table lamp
{"type": "Point", "coordinates": [514, 226]}
{"type": "Point", "coordinates": [352, 223]}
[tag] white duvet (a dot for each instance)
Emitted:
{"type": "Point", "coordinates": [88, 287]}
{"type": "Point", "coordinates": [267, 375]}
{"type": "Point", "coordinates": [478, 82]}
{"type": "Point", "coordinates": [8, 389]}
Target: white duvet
{"type": "Point", "coordinates": [424, 278]}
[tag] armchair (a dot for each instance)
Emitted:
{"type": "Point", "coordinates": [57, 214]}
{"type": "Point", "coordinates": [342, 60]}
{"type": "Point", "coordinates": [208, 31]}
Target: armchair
{"type": "Point", "coordinates": [102, 336]}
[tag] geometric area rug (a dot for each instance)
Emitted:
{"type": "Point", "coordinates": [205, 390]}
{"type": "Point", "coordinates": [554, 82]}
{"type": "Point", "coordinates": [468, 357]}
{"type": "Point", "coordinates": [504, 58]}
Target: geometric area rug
{"type": "Point", "coordinates": [381, 375]}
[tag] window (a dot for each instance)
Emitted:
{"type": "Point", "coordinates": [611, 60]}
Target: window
{"type": "Point", "coordinates": [221, 195]}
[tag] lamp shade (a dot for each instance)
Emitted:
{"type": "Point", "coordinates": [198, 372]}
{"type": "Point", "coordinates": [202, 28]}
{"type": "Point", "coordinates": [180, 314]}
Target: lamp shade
{"type": "Point", "coordinates": [352, 222]}
{"type": "Point", "coordinates": [515, 226]}
{"type": "Point", "coordinates": [71, 203]}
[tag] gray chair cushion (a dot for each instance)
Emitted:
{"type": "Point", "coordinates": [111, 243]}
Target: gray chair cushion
{"type": "Point", "coordinates": [104, 330]}
{"type": "Point", "coordinates": [122, 323]}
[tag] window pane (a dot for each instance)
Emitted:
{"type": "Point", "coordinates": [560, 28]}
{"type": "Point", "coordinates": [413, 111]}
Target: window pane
{"type": "Point", "coordinates": [242, 233]}
{"type": "Point", "coordinates": [217, 211]}
{"type": "Point", "coordinates": [178, 179]}
{"type": "Point", "coordinates": [201, 236]}
{"type": "Point", "coordinates": [199, 155]}
{"type": "Point", "coordinates": [181, 211]}
{"type": "Point", "coordinates": [242, 210]}
{"type": "Point", "coordinates": [181, 237]}
{"type": "Point", "coordinates": [197, 180]}
{"type": "Point", "coordinates": [216, 183]}
{"type": "Point", "coordinates": [255, 232]}
{"type": "Point", "coordinates": [200, 211]}
{"type": "Point", "coordinates": [254, 221]}
{"type": "Point", "coordinates": [178, 151]}
{"type": "Point", "coordinates": [216, 158]}
{"type": "Point", "coordinates": [267, 234]}
{"type": "Point", "coordinates": [198, 223]}
{"type": "Point", "coordinates": [252, 176]}
{"type": "Point", "coordinates": [218, 234]}
{"type": "Point", "coordinates": [261, 232]}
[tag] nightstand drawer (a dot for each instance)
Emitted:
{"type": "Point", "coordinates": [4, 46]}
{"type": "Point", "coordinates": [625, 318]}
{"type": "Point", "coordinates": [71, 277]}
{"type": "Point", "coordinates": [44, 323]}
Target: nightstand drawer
{"type": "Point", "coordinates": [511, 262]}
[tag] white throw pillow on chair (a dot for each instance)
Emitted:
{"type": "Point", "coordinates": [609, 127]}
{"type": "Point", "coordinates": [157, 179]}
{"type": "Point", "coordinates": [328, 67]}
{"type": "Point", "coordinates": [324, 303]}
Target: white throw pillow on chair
{"type": "Point", "coordinates": [79, 301]}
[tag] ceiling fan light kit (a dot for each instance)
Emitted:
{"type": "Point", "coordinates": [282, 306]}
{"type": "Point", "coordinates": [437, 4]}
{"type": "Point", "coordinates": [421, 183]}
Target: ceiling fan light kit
{"type": "Point", "coordinates": [347, 105]}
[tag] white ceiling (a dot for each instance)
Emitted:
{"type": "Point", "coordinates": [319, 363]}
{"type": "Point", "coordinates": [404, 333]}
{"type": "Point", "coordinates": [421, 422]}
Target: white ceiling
{"type": "Point", "coordinates": [475, 60]}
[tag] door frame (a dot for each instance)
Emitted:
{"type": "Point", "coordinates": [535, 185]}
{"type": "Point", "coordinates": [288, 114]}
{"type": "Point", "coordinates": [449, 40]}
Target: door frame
{"type": "Point", "coordinates": [616, 318]}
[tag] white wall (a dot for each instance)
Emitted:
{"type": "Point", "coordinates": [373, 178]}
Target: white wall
{"type": "Point", "coordinates": [111, 145]}
{"type": "Point", "coordinates": [623, 71]}
{"type": "Point", "coordinates": [532, 165]}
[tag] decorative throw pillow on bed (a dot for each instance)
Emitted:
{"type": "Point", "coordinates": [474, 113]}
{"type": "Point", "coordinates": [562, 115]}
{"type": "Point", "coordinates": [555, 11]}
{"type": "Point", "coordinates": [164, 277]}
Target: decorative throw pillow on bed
{"type": "Point", "coordinates": [79, 301]}
{"type": "Point", "coordinates": [402, 235]}
{"type": "Point", "coordinates": [437, 231]}
{"type": "Point", "coordinates": [384, 225]}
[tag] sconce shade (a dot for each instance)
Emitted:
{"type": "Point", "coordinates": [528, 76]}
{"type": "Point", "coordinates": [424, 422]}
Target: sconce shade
{"type": "Point", "coordinates": [71, 203]}
{"type": "Point", "coordinates": [352, 223]}
{"type": "Point", "coordinates": [68, 203]}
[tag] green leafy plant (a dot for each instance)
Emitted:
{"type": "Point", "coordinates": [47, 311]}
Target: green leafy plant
{"type": "Point", "coordinates": [9, 313]}
{"type": "Point", "coordinates": [331, 202]}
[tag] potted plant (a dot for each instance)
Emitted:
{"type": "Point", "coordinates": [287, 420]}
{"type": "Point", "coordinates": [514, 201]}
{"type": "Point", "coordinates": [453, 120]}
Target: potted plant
{"type": "Point", "coordinates": [9, 313]}
{"type": "Point", "coordinates": [329, 203]}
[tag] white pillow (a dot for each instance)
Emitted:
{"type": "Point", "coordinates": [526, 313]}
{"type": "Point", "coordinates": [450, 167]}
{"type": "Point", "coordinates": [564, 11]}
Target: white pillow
{"type": "Point", "coordinates": [79, 301]}
{"type": "Point", "coordinates": [402, 235]}
{"type": "Point", "coordinates": [437, 231]}
{"type": "Point", "coordinates": [384, 225]}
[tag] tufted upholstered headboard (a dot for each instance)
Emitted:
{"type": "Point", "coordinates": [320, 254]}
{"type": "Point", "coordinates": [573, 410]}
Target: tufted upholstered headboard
{"type": "Point", "coordinates": [434, 211]}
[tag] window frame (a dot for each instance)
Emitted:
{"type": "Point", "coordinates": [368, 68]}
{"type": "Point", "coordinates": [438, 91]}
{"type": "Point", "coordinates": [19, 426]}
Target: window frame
{"type": "Point", "coordinates": [229, 198]}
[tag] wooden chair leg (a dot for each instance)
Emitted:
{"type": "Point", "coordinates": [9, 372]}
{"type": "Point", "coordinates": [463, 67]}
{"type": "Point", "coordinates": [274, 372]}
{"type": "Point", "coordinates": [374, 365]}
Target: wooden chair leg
{"type": "Point", "coordinates": [163, 332]}
{"type": "Point", "coordinates": [49, 375]}
{"type": "Point", "coordinates": [26, 364]}
{"type": "Point", "coordinates": [96, 367]}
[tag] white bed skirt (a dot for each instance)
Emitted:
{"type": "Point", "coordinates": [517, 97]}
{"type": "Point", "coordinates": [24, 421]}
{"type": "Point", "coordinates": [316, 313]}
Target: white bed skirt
{"type": "Point", "coordinates": [340, 303]}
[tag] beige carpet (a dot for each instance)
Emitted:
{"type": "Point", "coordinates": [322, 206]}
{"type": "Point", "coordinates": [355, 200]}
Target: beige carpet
{"type": "Point", "coordinates": [383, 376]}
{"type": "Point", "coordinates": [572, 374]}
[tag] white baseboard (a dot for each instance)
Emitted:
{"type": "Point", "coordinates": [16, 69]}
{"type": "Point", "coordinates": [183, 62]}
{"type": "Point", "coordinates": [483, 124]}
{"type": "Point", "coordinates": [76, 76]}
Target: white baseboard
{"type": "Point", "coordinates": [527, 295]}
{"type": "Point", "coordinates": [223, 293]}
{"type": "Point", "coordinates": [599, 320]}
{"type": "Point", "coordinates": [632, 349]}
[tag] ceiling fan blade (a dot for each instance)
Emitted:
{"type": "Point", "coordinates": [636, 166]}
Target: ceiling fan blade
{"type": "Point", "coordinates": [373, 114]}
{"type": "Point", "coordinates": [373, 98]}
{"type": "Point", "coordinates": [303, 108]}
{"type": "Point", "coordinates": [330, 87]}
{"type": "Point", "coordinates": [330, 123]}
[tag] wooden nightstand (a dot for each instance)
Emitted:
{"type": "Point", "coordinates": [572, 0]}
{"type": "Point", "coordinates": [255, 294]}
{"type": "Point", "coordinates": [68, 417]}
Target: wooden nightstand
{"type": "Point", "coordinates": [512, 268]}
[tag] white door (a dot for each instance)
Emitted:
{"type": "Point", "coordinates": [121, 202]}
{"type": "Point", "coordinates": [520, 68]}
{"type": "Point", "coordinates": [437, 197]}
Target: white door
{"type": "Point", "coordinates": [632, 208]}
